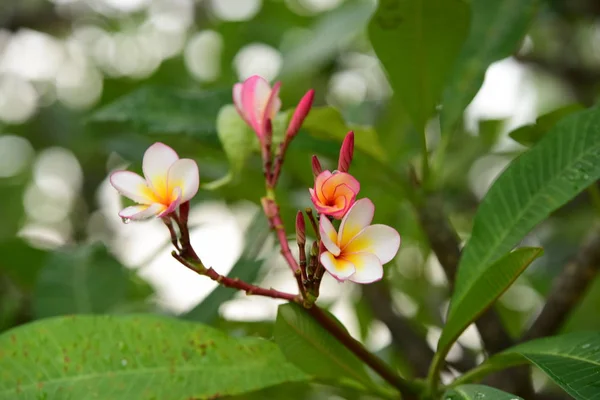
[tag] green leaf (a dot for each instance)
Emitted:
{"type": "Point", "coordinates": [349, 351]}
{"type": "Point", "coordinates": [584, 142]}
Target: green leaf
{"type": "Point", "coordinates": [478, 392]}
{"type": "Point", "coordinates": [557, 168]}
{"type": "Point", "coordinates": [486, 288]}
{"type": "Point", "coordinates": [133, 358]}
{"type": "Point", "coordinates": [417, 42]}
{"type": "Point", "coordinates": [572, 361]}
{"type": "Point", "coordinates": [80, 280]}
{"type": "Point", "coordinates": [530, 134]}
{"type": "Point", "coordinates": [162, 110]}
{"type": "Point", "coordinates": [246, 269]}
{"type": "Point", "coordinates": [328, 122]}
{"type": "Point", "coordinates": [332, 30]}
{"type": "Point", "coordinates": [237, 140]}
{"type": "Point", "coordinates": [310, 347]}
{"type": "Point", "coordinates": [497, 27]}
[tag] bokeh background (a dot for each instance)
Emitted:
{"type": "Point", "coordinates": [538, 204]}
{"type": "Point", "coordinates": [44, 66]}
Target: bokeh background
{"type": "Point", "coordinates": [161, 69]}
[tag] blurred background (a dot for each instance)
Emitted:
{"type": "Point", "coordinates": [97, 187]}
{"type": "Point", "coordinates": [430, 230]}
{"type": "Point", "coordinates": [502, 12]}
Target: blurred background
{"type": "Point", "coordinates": [87, 85]}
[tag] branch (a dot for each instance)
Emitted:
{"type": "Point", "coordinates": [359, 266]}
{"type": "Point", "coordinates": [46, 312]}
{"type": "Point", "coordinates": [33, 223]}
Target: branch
{"type": "Point", "coordinates": [409, 392]}
{"type": "Point", "coordinates": [445, 243]}
{"type": "Point", "coordinates": [569, 288]}
{"type": "Point", "coordinates": [234, 283]}
{"type": "Point", "coordinates": [271, 210]}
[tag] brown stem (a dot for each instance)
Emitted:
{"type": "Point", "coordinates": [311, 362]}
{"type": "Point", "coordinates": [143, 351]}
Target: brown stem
{"type": "Point", "coordinates": [409, 392]}
{"type": "Point", "coordinates": [569, 287]}
{"type": "Point", "coordinates": [271, 210]}
{"type": "Point", "coordinates": [445, 243]}
{"type": "Point", "coordinates": [234, 283]}
{"type": "Point", "coordinates": [313, 222]}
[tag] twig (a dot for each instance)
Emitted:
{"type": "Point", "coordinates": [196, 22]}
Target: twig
{"type": "Point", "coordinates": [568, 288]}
{"type": "Point", "coordinates": [271, 210]}
{"type": "Point", "coordinates": [408, 391]}
{"type": "Point", "coordinates": [412, 346]}
{"type": "Point", "coordinates": [445, 243]}
{"type": "Point", "coordinates": [234, 283]}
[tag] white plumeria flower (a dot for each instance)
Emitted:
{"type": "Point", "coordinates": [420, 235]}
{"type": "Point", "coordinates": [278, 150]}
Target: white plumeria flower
{"type": "Point", "coordinates": [358, 252]}
{"type": "Point", "coordinates": [169, 181]}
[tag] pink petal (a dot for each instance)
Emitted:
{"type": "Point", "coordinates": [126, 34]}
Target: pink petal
{"type": "Point", "coordinates": [184, 175]}
{"type": "Point", "coordinates": [328, 235]}
{"type": "Point", "coordinates": [273, 103]}
{"type": "Point", "coordinates": [367, 265]}
{"type": "Point", "coordinates": [157, 160]}
{"type": "Point", "coordinates": [340, 269]}
{"type": "Point", "coordinates": [319, 181]}
{"type": "Point", "coordinates": [237, 100]}
{"type": "Point", "coordinates": [381, 240]}
{"type": "Point", "coordinates": [131, 185]}
{"type": "Point", "coordinates": [176, 196]}
{"type": "Point", "coordinates": [255, 96]}
{"type": "Point", "coordinates": [358, 218]}
{"type": "Point", "coordinates": [337, 179]}
{"type": "Point", "coordinates": [137, 213]}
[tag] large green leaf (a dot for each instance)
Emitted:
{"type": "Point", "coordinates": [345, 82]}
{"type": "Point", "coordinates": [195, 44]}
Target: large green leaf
{"type": "Point", "coordinates": [310, 347]}
{"type": "Point", "coordinates": [328, 122]}
{"type": "Point", "coordinates": [80, 280]}
{"type": "Point", "coordinates": [530, 134]}
{"type": "Point", "coordinates": [497, 27]}
{"type": "Point", "coordinates": [134, 357]}
{"type": "Point", "coordinates": [486, 288]}
{"type": "Point", "coordinates": [417, 42]}
{"type": "Point", "coordinates": [163, 110]}
{"type": "Point", "coordinates": [478, 392]}
{"type": "Point", "coordinates": [571, 360]}
{"type": "Point", "coordinates": [246, 269]}
{"type": "Point", "coordinates": [557, 168]}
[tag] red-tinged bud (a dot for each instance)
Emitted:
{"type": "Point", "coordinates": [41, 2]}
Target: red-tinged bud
{"type": "Point", "coordinates": [300, 114]}
{"type": "Point", "coordinates": [300, 229]}
{"type": "Point", "coordinates": [346, 153]}
{"type": "Point", "coordinates": [316, 166]}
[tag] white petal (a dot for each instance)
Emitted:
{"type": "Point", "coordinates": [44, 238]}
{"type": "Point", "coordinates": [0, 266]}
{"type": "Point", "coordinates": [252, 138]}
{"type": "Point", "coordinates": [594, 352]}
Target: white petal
{"type": "Point", "coordinates": [157, 160]}
{"type": "Point", "coordinates": [338, 268]}
{"type": "Point", "coordinates": [136, 213]}
{"type": "Point", "coordinates": [356, 219]}
{"type": "Point", "coordinates": [329, 236]}
{"type": "Point", "coordinates": [381, 240]}
{"type": "Point", "coordinates": [131, 185]}
{"type": "Point", "coordinates": [367, 265]}
{"type": "Point", "coordinates": [184, 174]}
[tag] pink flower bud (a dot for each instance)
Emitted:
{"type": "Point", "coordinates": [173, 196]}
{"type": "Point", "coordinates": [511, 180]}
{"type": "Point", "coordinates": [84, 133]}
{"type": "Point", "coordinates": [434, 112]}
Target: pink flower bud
{"type": "Point", "coordinates": [316, 166]}
{"type": "Point", "coordinates": [300, 114]}
{"type": "Point", "coordinates": [257, 102]}
{"type": "Point", "coordinates": [346, 152]}
{"type": "Point", "coordinates": [335, 193]}
{"type": "Point", "coordinates": [300, 229]}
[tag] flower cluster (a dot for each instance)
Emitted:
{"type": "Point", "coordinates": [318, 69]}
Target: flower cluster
{"type": "Point", "coordinates": [355, 251]}
{"type": "Point", "coordinates": [358, 250]}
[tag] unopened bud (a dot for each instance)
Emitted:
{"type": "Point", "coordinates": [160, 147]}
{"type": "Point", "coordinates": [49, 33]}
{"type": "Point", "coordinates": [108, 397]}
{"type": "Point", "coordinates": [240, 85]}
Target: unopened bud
{"type": "Point", "coordinates": [300, 114]}
{"type": "Point", "coordinates": [346, 153]}
{"type": "Point", "coordinates": [316, 166]}
{"type": "Point", "coordinates": [300, 229]}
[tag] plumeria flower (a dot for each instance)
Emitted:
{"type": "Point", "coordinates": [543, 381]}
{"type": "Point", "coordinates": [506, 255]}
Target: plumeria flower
{"type": "Point", "coordinates": [169, 181]}
{"type": "Point", "coordinates": [257, 102]}
{"type": "Point", "coordinates": [358, 251]}
{"type": "Point", "coordinates": [334, 193]}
